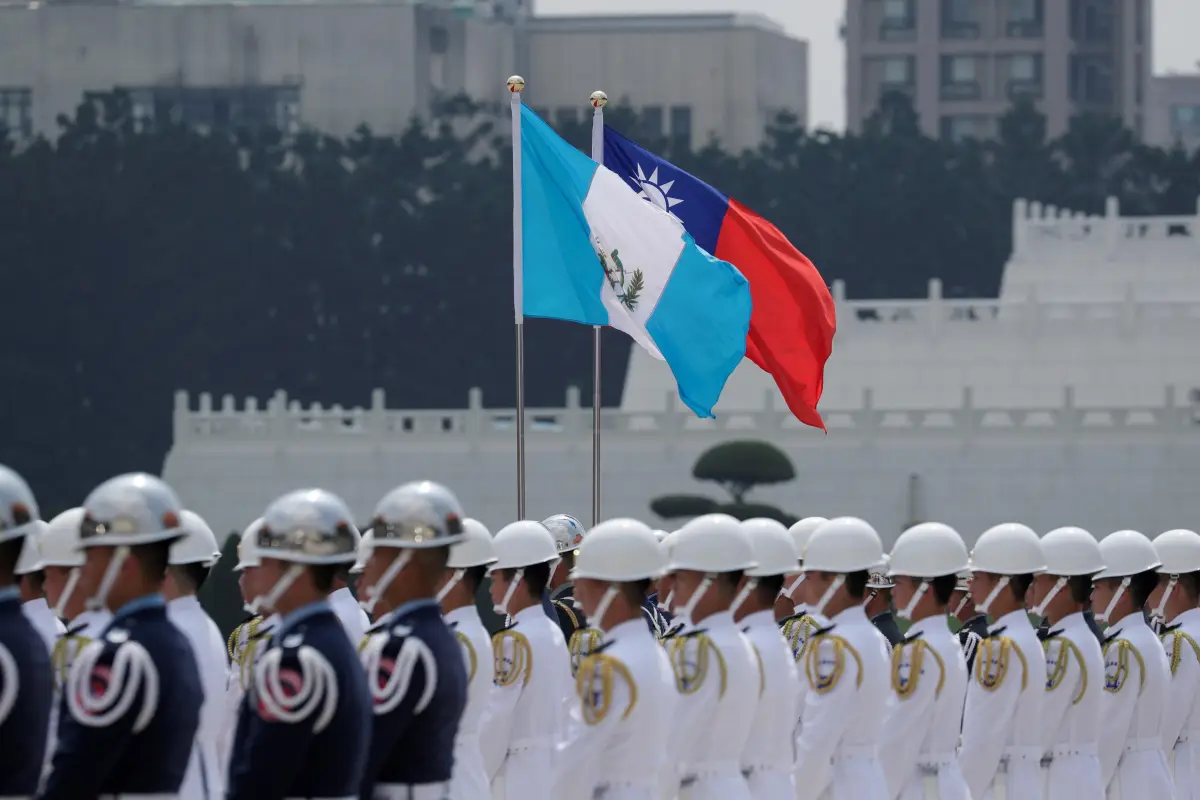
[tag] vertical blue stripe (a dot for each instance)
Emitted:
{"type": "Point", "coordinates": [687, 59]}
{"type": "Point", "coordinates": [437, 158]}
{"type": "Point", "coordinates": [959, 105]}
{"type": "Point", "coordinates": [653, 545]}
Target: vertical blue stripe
{"type": "Point", "coordinates": [562, 276]}
{"type": "Point", "coordinates": [700, 325]}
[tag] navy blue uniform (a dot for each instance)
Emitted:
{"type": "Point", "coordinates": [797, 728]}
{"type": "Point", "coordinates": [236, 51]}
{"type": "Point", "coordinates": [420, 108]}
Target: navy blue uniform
{"type": "Point", "coordinates": [655, 618]}
{"type": "Point", "coordinates": [885, 622]}
{"type": "Point", "coordinates": [130, 709]}
{"type": "Point", "coordinates": [569, 618]}
{"type": "Point", "coordinates": [418, 681]}
{"type": "Point", "coordinates": [25, 677]}
{"type": "Point", "coordinates": [977, 625]}
{"type": "Point", "coordinates": [305, 723]}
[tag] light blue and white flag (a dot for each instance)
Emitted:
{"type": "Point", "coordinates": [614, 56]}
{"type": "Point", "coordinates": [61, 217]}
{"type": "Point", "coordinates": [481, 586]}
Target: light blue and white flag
{"type": "Point", "coordinates": [596, 253]}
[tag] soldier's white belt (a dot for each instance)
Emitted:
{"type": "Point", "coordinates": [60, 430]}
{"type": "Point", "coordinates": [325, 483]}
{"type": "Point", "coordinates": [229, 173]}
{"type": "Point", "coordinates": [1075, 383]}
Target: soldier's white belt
{"type": "Point", "coordinates": [401, 791]}
{"type": "Point", "coordinates": [762, 766]}
{"type": "Point", "coordinates": [856, 751]}
{"type": "Point", "coordinates": [933, 763]}
{"type": "Point", "coordinates": [1068, 750]}
{"type": "Point", "coordinates": [1143, 744]}
{"type": "Point", "coordinates": [710, 769]}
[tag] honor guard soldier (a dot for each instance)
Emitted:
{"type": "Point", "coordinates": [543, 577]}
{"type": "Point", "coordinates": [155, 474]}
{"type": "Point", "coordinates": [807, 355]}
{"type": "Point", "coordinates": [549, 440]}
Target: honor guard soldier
{"type": "Point", "coordinates": [789, 604]}
{"type": "Point", "coordinates": [415, 666]}
{"type": "Point", "coordinates": [247, 640]}
{"type": "Point", "coordinates": [846, 667]}
{"type": "Point", "coordinates": [929, 672]}
{"type": "Point", "coordinates": [1175, 603]}
{"type": "Point", "coordinates": [716, 669]}
{"type": "Point", "coordinates": [568, 534]}
{"type": "Point", "coordinates": [879, 605]}
{"type": "Point", "coordinates": [1137, 674]}
{"type": "Point", "coordinates": [308, 694]}
{"type": "Point", "coordinates": [26, 687]}
{"type": "Point", "coordinates": [465, 571]}
{"type": "Point", "coordinates": [769, 755]}
{"type": "Point", "coordinates": [801, 623]}
{"type": "Point", "coordinates": [973, 624]}
{"type": "Point", "coordinates": [656, 599]}
{"type": "Point", "coordinates": [1071, 705]}
{"type": "Point", "coordinates": [30, 580]}
{"type": "Point", "coordinates": [526, 716]}
{"type": "Point", "coordinates": [132, 699]}
{"type": "Point", "coordinates": [666, 592]}
{"type": "Point", "coordinates": [62, 561]}
{"type": "Point", "coordinates": [1002, 736]}
{"type": "Point", "coordinates": [188, 566]}
{"type": "Point", "coordinates": [349, 612]}
{"type": "Point", "coordinates": [613, 748]}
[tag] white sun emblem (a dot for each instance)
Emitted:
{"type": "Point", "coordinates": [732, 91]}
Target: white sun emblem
{"type": "Point", "coordinates": [656, 193]}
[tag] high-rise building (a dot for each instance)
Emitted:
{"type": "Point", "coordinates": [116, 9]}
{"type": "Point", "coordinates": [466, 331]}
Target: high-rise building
{"type": "Point", "coordinates": [1173, 111]}
{"type": "Point", "coordinates": [964, 61]}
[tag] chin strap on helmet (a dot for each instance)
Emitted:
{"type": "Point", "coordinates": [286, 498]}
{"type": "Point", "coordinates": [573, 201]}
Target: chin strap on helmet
{"type": "Point", "coordinates": [907, 611]}
{"type": "Point", "coordinates": [502, 606]}
{"type": "Point", "coordinates": [744, 594]}
{"type": "Point", "coordinates": [108, 580]}
{"type": "Point", "coordinates": [983, 607]}
{"type": "Point", "coordinates": [64, 599]}
{"type": "Point", "coordinates": [450, 584]}
{"type": "Point", "coordinates": [697, 596]}
{"type": "Point", "coordinates": [375, 592]}
{"type": "Point", "coordinates": [819, 606]}
{"type": "Point", "coordinates": [1040, 608]}
{"type": "Point", "coordinates": [1160, 612]}
{"type": "Point", "coordinates": [267, 602]}
{"type": "Point", "coordinates": [791, 588]}
{"type": "Point", "coordinates": [1116, 598]}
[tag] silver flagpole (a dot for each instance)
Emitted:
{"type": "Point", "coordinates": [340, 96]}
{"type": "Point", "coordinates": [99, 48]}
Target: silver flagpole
{"type": "Point", "coordinates": [516, 85]}
{"type": "Point", "coordinates": [599, 101]}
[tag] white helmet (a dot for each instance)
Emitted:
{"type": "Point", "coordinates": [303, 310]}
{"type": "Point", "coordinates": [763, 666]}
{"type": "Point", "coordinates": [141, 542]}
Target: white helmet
{"type": "Point", "coordinates": [712, 543]}
{"type": "Point", "coordinates": [365, 547]}
{"type": "Point", "coordinates": [59, 543]}
{"type": "Point", "coordinates": [659, 535]}
{"type": "Point", "coordinates": [1126, 553]}
{"type": "Point", "coordinates": [803, 530]}
{"type": "Point", "coordinates": [618, 551]}
{"type": "Point", "coordinates": [667, 543]}
{"type": "Point", "coordinates": [475, 550]}
{"type": "Point", "coordinates": [130, 509]}
{"type": "Point", "coordinates": [18, 508]}
{"type": "Point", "coordinates": [30, 559]}
{"type": "Point", "coordinates": [772, 547]}
{"type": "Point", "coordinates": [1179, 551]}
{"type": "Point", "coordinates": [1008, 549]}
{"type": "Point", "coordinates": [199, 543]}
{"type": "Point", "coordinates": [247, 551]}
{"type": "Point", "coordinates": [928, 550]}
{"type": "Point", "coordinates": [567, 531]}
{"type": "Point", "coordinates": [879, 578]}
{"type": "Point", "coordinates": [523, 544]}
{"type": "Point", "coordinates": [1070, 552]}
{"type": "Point", "coordinates": [842, 545]}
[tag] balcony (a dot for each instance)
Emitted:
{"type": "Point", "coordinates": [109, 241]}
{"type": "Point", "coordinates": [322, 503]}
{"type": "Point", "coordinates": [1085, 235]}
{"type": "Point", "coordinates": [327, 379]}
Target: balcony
{"type": "Point", "coordinates": [961, 90]}
{"type": "Point", "coordinates": [954, 29]}
{"type": "Point", "coordinates": [1025, 88]}
{"type": "Point", "coordinates": [897, 29]}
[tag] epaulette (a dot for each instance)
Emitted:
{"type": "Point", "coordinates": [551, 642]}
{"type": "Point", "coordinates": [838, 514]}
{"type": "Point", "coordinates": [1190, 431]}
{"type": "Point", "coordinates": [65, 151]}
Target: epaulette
{"type": "Point", "coordinates": [1178, 639]}
{"type": "Point", "coordinates": [992, 661]}
{"type": "Point", "coordinates": [583, 642]}
{"type": "Point", "coordinates": [908, 662]}
{"type": "Point", "coordinates": [798, 630]}
{"type": "Point", "coordinates": [1109, 639]}
{"type": "Point", "coordinates": [671, 634]}
{"type": "Point", "coordinates": [576, 624]}
{"type": "Point", "coordinates": [1047, 635]}
{"type": "Point", "coordinates": [106, 680]}
{"type": "Point", "coordinates": [1116, 664]}
{"type": "Point", "coordinates": [294, 682]}
{"type": "Point", "coordinates": [1169, 629]}
{"type": "Point", "coordinates": [391, 660]}
{"type": "Point", "coordinates": [66, 648]}
{"type": "Point", "coordinates": [995, 633]}
{"type": "Point", "coordinates": [595, 686]}
{"type": "Point", "coordinates": [517, 665]}
{"type": "Point", "coordinates": [470, 654]}
{"type": "Point", "coordinates": [826, 661]}
{"type": "Point", "coordinates": [912, 637]}
{"type": "Point", "coordinates": [1057, 663]}
{"type": "Point", "coordinates": [690, 672]}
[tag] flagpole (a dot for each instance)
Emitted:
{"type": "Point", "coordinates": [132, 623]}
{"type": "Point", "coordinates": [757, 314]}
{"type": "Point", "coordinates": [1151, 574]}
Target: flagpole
{"type": "Point", "coordinates": [516, 85]}
{"type": "Point", "coordinates": [599, 100]}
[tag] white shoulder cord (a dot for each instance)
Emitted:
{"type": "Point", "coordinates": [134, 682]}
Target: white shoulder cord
{"type": "Point", "coordinates": [10, 686]}
{"type": "Point", "coordinates": [318, 684]}
{"type": "Point", "coordinates": [132, 670]}
{"type": "Point", "coordinates": [387, 697]}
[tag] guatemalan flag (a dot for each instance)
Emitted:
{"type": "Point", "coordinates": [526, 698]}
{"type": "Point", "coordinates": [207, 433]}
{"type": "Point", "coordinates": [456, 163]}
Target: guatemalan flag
{"type": "Point", "coordinates": [791, 331]}
{"type": "Point", "coordinates": [594, 252]}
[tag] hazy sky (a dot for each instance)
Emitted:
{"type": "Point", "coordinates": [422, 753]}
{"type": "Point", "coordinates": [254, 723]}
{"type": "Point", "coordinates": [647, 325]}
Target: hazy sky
{"type": "Point", "coordinates": [1176, 42]}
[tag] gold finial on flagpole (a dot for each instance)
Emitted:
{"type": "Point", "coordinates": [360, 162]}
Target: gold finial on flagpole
{"type": "Point", "coordinates": [599, 99]}
{"type": "Point", "coordinates": [516, 84]}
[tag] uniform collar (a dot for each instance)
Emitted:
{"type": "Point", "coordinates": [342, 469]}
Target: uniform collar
{"type": "Point", "coordinates": [801, 609]}
{"type": "Point", "coordinates": [931, 624]}
{"type": "Point", "coordinates": [854, 613]}
{"type": "Point", "coordinates": [411, 606]}
{"type": "Point", "coordinates": [1010, 619]}
{"type": "Point", "coordinates": [764, 618]}
{"type": "Point", "coordinates": [341, 596]}
{"type": "Point", "coordinates": [1075, 619]}
{"type": "Point", "coordinates": [532, 611]}
{"type": "Point", "coordinates": [463, 614]}
{"type": "Point", "coordinates": [86, 619]}
{"type": "Point", "coordinates": [721, 619]}
{"type": "Point", "coordinates": [295, 617]}
{"type": "Point", "coordinates": [189, 602]}
{"type": "Point", "coordinates": [138, 604]}
{"type": "Point", "coordinates": [626, 629]}
{"type": "Point", "coordinates": [1191, 615]}
{"type": "Point", "coordinates": [37, 605]}
{"type": "Point", "coordinates": [1134, 619]}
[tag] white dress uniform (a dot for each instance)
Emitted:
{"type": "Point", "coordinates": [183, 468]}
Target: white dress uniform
{"type": "Point", "coordinates": [470, 780]}
{"type": "Point", "coordinates": [769, 755]}
{"type": "Point", "coordinates": [837, 753]}
{"type": "Point", "coordinates": [48, 626]}
{"type": "Point", "coordinates": [613, 747]}
{"type": "Point", "coordinates": [1137, 677]}
{"type": "Point", "coordinates": [1181, 727]}
{"type": "Point", "coordinates": [1071, 711]}
{"type": "Point", "coordinates": [717, 673]}
{"type": "Point", "coordinates": [526, 716]}
{"type": "Point", "coordinates": [205, 777]}
{"type": "Point", "coordinates": [1001, 749]}
{"type": "Point", "coordinates": [797, 630]}
{"type": "Point", "coordinates": [920, 736]}
{"type": "Point", "coordinates": [246, 642]}
{"type": "Point", "coordinates": [350, 614]}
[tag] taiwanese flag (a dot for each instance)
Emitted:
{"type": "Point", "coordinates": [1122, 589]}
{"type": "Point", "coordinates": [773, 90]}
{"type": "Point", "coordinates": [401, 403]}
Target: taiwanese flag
{"type": "Point", "coordinates": [793, 318]}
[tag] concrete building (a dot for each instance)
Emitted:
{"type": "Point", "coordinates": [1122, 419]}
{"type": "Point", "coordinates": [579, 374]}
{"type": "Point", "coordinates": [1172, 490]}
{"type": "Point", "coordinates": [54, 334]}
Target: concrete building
{"type": "Point", "coordinates": [336, 64]}
{"type": "Point", "coordinates": [1173, 111]}
{"type": "Point", "coordinates": [1073, 399]}
{"type": "Point", "coordinates": [964, 61]}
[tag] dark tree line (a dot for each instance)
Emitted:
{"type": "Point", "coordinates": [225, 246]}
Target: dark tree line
{"type": "Point", "coordinates": [137, 261]}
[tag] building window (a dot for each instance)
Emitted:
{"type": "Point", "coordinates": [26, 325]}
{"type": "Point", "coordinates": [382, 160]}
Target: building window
{"type": "Point", "coordinates": [1091, 79]}
{"type": "Point", "coordinates": [959, 78]}
{"type": "Point", "coordinates": [681, 123]}
{"type": "Point", "coordinates": [899, 20]}
{"type": "Point", "coordinates": [566, 116]}
{"type": "Point", "coordinates": [1025, 76]}
{"type": "Point", "coordinates": [439, 40]}
{"type": "Point", "coordinates": [16, 112]}
{"type": "Point", "coordinates": [1026, 19]}
{"type": "Point", "coordinates": [960, 19]}
{"type": "Point", "coordinates": [1092, 20]}
{"type": "Point", "coordinates": [652, 120]}
{"type": "Point", "coordinates": [961, 127]}
{"type": "Point", "coordinates": [897, 71]}
{"type": "Point", "coordinates": [219, 108]}
{"type": "Point", "coordinates": [1185, 121]}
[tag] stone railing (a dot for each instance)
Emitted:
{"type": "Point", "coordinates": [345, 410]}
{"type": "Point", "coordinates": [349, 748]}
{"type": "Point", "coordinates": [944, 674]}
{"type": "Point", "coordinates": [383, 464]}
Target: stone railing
{"type": "Point", "coordinates": [285, 422]}
{"type": "Point", "coordinates": [1045, 230]}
